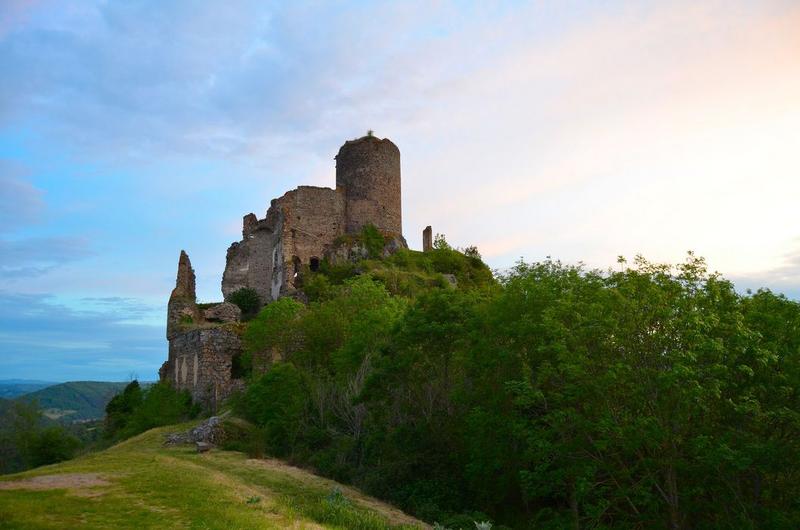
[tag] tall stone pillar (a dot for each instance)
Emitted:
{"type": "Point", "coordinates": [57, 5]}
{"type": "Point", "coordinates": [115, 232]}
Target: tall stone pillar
{"type": "Point", "coordinates": [183, 300]}
{"type": "Point", "coordinates": [427, 239]}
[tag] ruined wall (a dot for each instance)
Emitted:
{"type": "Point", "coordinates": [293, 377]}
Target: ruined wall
{"type": "Point", "coordinates": [200, 361]}
{"type": "Point", "coordinates": [368, 173]}
{"type": "Point", "coordinates": [312, 220]}
{"type": "Point", "coordinates": [182, 302]}
{"type": "Point", "coordinates": [298, 227]}
{"type": "Point", "coordinates": [250, 262]}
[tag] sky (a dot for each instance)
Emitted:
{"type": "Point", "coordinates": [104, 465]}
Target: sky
{"type": "Point", "coordinates": [577, 130]}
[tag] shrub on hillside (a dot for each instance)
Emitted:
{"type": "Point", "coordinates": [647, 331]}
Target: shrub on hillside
{"type": "Point", "coordinates": [276, 401]}
{"type": "Point", "coordinates": [135, 410]}
{"type": "Point", "coordinates": [272, 329]}
{"type": "Point", "coordinates": [51, 445]}
{"type": "Point", "coordinates": [27, 440]}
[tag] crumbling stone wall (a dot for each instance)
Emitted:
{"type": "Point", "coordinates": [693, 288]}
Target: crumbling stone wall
{"type": "Point", "coordinates": [368, 172]}
{"type": "Point", "coordinates": [312, 220]}
{"type": "Point", "coordinates": [200, 361]}
{"type": "Point", "coordinates": [182, 305]}
{"type": "Point", "coordinates": [298, 227]}
{"type": "Point", "coordinates": [250, 262]}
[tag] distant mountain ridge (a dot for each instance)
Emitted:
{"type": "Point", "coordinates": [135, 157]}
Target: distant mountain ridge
{"type": "Point", "coordinates": [75, 400]}
{"type": "Point", "coordinates": [12, 388]}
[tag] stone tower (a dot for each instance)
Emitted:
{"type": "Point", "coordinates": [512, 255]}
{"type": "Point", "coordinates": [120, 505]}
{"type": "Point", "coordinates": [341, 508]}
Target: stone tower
{"type": "Point", "coordinates": [368, 173]}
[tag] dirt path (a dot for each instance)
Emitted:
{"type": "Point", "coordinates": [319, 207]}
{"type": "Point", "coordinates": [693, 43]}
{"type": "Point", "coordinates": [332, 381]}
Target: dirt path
{"type": "Point", "coordinates": [68, 481]}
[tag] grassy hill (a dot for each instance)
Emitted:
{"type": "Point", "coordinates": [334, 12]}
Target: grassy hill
{"type": "Point", "coordinates": [142, 484]}
{"type": "Point", "coordinates": [77, 400]}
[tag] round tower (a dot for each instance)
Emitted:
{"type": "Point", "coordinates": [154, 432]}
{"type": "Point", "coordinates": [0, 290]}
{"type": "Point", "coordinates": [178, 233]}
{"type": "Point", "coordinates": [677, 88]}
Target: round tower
{"type": "Point", "coordinates": [368, 173]}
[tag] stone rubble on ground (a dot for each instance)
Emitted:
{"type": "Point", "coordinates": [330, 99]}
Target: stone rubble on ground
{"type": "Point", "coordinates": [208, 432]}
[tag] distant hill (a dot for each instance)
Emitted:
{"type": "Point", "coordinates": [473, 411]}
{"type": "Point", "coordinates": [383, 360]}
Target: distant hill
{"type": "Point", "coordinates": [77, 400]}
{"type": "Point", "coordinates": [11, 388]}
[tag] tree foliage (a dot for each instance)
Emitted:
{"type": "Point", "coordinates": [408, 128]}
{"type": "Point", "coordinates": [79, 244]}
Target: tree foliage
{"type": "Point", "coordinates": [135, 410]}
{"type": "Point", "coordinates": [650, 397]}
{"type": "Point", "coordinates": [28, 440]}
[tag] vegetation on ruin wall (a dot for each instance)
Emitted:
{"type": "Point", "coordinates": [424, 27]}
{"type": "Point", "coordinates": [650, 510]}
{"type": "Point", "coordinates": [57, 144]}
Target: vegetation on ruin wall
{"type": "Point", "coordinates": [405, 273]}
{"type": "Point", "coordinates": [650, 397]}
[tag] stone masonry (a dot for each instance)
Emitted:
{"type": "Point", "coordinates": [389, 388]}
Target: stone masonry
{"type": "Point", "coordinates": [301, 226]}
{"type": "Point", "coordinates": [427, 239]}
{"type": "Point", "coordinates": [299, 229]}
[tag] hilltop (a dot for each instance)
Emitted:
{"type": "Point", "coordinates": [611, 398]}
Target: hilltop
{"type": "Point", "coordinates": [140, 483]}
{"type": "Point", "coordinates": [76, 400]}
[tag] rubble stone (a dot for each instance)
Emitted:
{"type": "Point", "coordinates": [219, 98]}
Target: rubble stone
{"type": "Point", "coordinates": [224, 312]}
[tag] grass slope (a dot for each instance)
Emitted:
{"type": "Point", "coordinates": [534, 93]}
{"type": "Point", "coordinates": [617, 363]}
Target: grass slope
{"type": "Point", "coordinates": [141, 484]}
{"type": "Point", "coordinates": [77, 400]}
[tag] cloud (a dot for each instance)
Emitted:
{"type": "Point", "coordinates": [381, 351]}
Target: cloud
{"type": "Point", "coordinates": [143, 79]}
{"type": "Point", "coordinates": [21, 203]}
{"type": "Point", "coordinates": [784, 278]}
{"type": "Point", "coordinates": [35, 256]}
{"type": "Point", "coordinates": [42, 338]}
{"type": "Point", "coordinates": [581, 132]}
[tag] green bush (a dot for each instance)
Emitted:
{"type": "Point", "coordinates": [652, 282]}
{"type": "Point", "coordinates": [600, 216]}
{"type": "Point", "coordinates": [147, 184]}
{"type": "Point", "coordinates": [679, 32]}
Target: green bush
{"type": "Point", "coordinates": [51, 445]}
{"type": "Point", "coordinates": [273, 329]}
{"type": "Point", "coordinates": [276, 402]}
{"type": "Point", "coordinates": [247, 300]}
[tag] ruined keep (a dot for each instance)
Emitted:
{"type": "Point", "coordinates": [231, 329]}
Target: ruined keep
{"type": "Point", "coordinates": [299, 229]}
{"type": "Point", "coordinates": [301, 226]}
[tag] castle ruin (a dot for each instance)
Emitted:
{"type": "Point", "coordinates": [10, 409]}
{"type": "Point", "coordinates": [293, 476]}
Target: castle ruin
{"type": "Point", "coordinates": [300, 229]}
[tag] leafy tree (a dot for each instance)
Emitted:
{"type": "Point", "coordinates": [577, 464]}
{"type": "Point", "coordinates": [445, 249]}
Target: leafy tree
{"type": "Point", "coordinates": [51, 445]}
{"type": "Point", "coordinates": [120, 409]}
{"type": "Point", "coordinates": [440, 242]}
{"type": "Point", "coordinates": [134, 410]}
{"type": "Point", "coordinates": [26, 440]}
{"type": "Point", "coordinates": [276, 401]}
{"type": "Point", "coordinates": [271, 333]}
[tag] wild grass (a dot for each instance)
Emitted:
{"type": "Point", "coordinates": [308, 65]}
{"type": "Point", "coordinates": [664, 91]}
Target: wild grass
{"type": "Point", "coordinates": [151, 486]}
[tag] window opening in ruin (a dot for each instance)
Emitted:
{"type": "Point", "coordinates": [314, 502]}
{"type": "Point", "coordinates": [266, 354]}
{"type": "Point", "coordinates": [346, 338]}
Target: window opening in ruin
{"type": "Point", "coordinates": [314, 264]}
{"type": "Point", "coordinates": [296, 265]}
{"type": "Point", "coordinates": [238, 369]}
